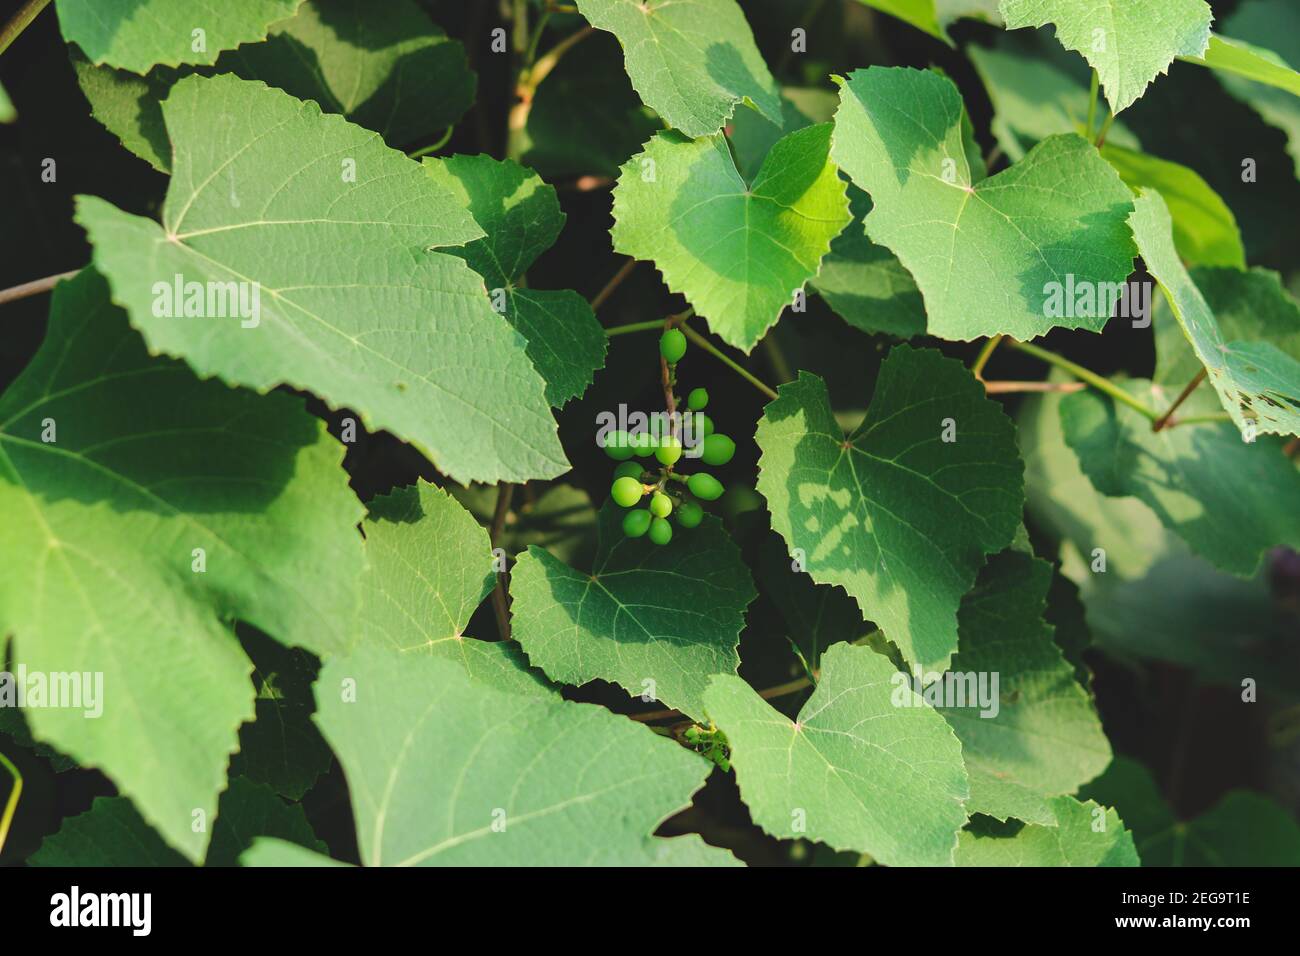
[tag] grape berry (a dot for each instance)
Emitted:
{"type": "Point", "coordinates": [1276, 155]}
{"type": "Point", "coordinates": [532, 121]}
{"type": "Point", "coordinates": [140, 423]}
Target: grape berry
{"type": "Point", "coordinates": [635, 480]}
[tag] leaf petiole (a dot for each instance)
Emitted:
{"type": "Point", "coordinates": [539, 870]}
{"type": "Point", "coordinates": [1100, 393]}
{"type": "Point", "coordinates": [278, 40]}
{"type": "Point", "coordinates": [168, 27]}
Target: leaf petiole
{"type": "Point", "coordinates": [1099, 382]}
{"type": "Point", "coordinates": [11, 805]}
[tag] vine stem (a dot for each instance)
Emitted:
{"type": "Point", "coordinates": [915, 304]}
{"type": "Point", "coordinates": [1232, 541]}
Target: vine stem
{"type": "Point", "coordinates": [614, 282]}
{"type": "Point", "coordinates": [11, 805]}
{"type": "Point", "coordinates": [726, 360]}
{"type": "Point", "coordinates": [20, 21]}
{"type": "Point", "coordinates": [1099, 382]}
{"type": "Point", "coordinates": [634, 327]}
{"type": "Point", "coordinates": [505, 494]}
{"type": "Point", "coordinates": [983, 358]}
{"type": "Point", "coordinates": [530, 77]}
{"type": "Point", "coordinates": [35, 287]}
{"type": "Point", "coordinates": [1003, 388]}
{"type": "Point", "coordinates": [433, 147]}
{"type": "Point", "coordinates": [1160, 423]}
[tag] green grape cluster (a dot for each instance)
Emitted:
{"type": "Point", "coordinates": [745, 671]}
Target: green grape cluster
{"type": "Point", "coordinates": [671, 497]}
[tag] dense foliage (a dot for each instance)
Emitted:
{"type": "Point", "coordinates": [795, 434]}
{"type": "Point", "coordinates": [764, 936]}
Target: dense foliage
{"type": "Point", "coordinates": [679, 432]}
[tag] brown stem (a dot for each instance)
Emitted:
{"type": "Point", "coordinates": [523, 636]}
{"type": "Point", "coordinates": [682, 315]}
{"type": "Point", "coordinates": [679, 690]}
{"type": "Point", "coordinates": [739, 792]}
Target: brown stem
{"type": "Point", "coordinates": [505, 494]}
{"type": "Point", "coordinates": [615, 281]}
{"type": "Point", "coordinates": [20, 21]}
{"type": "Point", "coordinates": [995, 388]}
{"type": "Point", "coordinates": [35, 287]}
{"type": "Point", "coordinates": [1165, 419]}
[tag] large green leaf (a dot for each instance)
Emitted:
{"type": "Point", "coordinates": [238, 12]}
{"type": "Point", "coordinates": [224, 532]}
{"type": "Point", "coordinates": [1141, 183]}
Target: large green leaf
{"type": "Point", "coordinates": [692, 63]}
{"type": "Point", "coordinates": [136, 34]}
{"type": "Point", "coordinates": [522, 218]}
{"type": "Point", "coordinates": [353, 304]}
{"type": "Point", "coordinates": [1118, 553]}
{"type": "Point", "coordinates": [430, 566]}
{"type": "Point", "coordinates": [1231, 500]}
{"type": "Point", "coordinates": [1128, 42]}
{"type": "Point", "coordinates": [919, 13]}
{"type": "Point", "coordinates": [1075, 836]}
{"type": "Point", "coordinates": [444, 771]}
{"type": "Point", "coordinates": [738, 251]}
{"type": "Point", "coordinates": [656, 620]}
{"type": "Point", "coordinates": [1045, 738]}
{"type": "Point", "coordinates": [855, 770]}
{"type": "Point", "coordinates": [1032, 100]}
{"type": "Point", "coordinates": [987, 254]}
{"type": "Point", "coordinates": [1243, 829]}
{"type": "Point", "coordinates": [102, 570]}
{"type": "Point", "coordinates": [386, 67]}
{"type": "Point", "coordinates": [893, 513]}
{"type": "Point", "coordinates": [1204, 228]}
{"type": "Point", "coordinates": [1256, 381]}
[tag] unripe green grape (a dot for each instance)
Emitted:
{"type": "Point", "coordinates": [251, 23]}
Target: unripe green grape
{"type": "Point", "coordinates": [626, 491]}
{"type": "Point", "coordinates": [643, 444]}
{"type": "Point", "coordinates": [629, 469]}
{"type": "Point", "coordinates": [689, 514]}
{"type": "Point", "coordinates": [618, 445]}
{"type": "Point", "coordinates": [705, 424]}
{"type": "Point", "coordinates": [672, 345]}
{"type": "Point", "coordinates": [661, 532]}
{"type": "Point", "coordinates": [718, 449]}
{"type": "Point", "coordinates": [669, 450]}
{"type": "Point", "coordinates": [698, 399]}
{"type": "Point", "coordinates": [636, 522]}
{"type": "Point", "coordinates": [704, 486]}
{"type": "Point", "coordinates": [661, 505]}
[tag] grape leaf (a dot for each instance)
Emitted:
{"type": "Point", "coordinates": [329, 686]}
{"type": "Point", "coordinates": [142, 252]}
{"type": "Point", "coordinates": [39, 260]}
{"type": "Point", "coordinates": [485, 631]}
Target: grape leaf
{"type": "Point", "coordinates": [1256, 64]}
{"type": "Point", "coordinates": [1242, 829]}
{"type": "Point", "coordinates": [112, 832]}
{"type": "Point", "coordinates": [1247, 306]}
{"type": "Point", "coordinates": [737, 251]}
{"type": "Point", "coordinates": [985, 253]}
{"type": "Point", "coordinates": [1128, 42]}
{"type": "Point", "coordinates": [1070, 839]}
{"type": "Point", "coordinates": [1230, 500]}
{"type": "Point", "coordinates": [1045, 738]}
{"type": "Point", "coordinates": [1256, 381]}
{"type": "Point", "coordinates": [1033, 100]}
{"type": "Point", "coordinates": [691, 63]}
{"type": "Point", "coordinates": [385, 67]}
{"type": "Point", "coordinates": [656, 620]}
{"type": "Point", "coordinates": [430, 566]}
{"type": "Point", "coordinates": [816, 615]}
{"type": "Point", "coordinates": [513, 779]}
{"type": "Point", "coordinates": [136, 34]}
{"type": "Point", "coordinates": [1204, 228]}
{"type": "Point", "coordinates": [522, 218]}
{"type": "Point", "coordinates": [893, 513]}
{"type": "Point", "coordinates": [854, 771]}
{"type": "Point", "coordinates": [150, 472]}
{"type": "Point", "coordinates": [1209, 621]}
{"type": "Point", "coordinates": [360, 311]}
